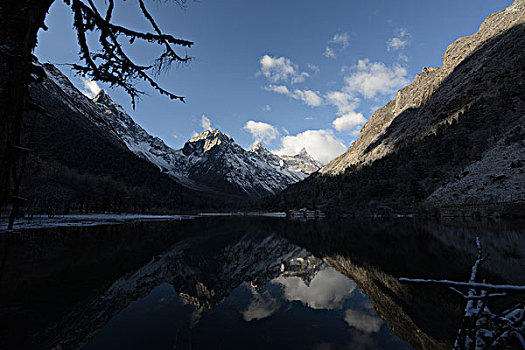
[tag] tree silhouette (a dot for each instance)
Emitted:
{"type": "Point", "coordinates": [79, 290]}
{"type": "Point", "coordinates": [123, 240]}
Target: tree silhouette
{"type": "Point", "coordinates": [20, 21]}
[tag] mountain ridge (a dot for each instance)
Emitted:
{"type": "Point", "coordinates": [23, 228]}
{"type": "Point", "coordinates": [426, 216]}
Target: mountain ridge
{"type": "Point", "coordinates": [79, 163]}
{"type": "Point", "coordinates": [211, 160]}
{"type": "Point", "coordinates": [446, 120]}
{"type": "Point", "coordinates": [423, 86]}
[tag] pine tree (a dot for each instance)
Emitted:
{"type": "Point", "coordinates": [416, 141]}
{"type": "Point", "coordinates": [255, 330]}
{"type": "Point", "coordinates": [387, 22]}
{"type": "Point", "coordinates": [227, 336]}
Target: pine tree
{"type": "Point", "coordinates": [20, 21]}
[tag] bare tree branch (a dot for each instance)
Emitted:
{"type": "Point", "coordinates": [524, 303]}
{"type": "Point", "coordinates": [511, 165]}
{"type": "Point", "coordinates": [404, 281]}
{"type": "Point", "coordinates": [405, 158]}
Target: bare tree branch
{"type": "Point", "coordinates": [473, 285]}
{"type": "Point", "coordinates": [482, 329]}
{"type": "Point", "coordinates": [111, 64]}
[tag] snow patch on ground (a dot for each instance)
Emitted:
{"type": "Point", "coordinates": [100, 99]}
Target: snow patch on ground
{"type": "Point", "coordinates": [75, 220]}
{"type": "Point", "coordinates": [496, 178]}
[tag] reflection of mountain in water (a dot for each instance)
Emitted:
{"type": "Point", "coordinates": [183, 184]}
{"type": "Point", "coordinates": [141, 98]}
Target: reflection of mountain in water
{"type": "Point", "coordinates": [255, 268]}
{"type": "Point", "coordinates": [374, 256]}
{"type": "Point", "coordinates": [256, 276]}
{"type": "Point", "coordinates": [204, 271]}
{"type": "Point", "coordinates": [204, 274]}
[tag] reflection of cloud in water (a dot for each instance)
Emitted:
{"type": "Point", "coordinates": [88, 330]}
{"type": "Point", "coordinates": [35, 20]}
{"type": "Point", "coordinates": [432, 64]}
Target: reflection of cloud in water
{"type": "Point", "coordinates": [326, 291]}
{"type": "Point", "coordinates": [195, 317]}
{"type": "Point", "coordinates": [261, 306]}
{"type": "Point", "coordinates": [363, 321]}
{"type": "Point", "coordinates": [362, 341]}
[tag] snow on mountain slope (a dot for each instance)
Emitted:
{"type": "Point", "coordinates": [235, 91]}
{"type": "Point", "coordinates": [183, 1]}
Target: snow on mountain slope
{"type": "Point", "coordinates": [303, 162]}
{"type": "Point", "coordinates": [215, 160]}
{"type": "Point", "coordinates": [209, 161]}
{"type": "Point", "coordinates": [71, 96]}
{"type": "Point", "coordinates": [146, 146]}
{"type": "Point", "coordinates": [440, 136]}
{"type": "Point", "coordinates": [498, 177]}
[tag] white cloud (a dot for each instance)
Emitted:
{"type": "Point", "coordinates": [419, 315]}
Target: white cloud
{"type": "Point", "coordinates": [363, 321]}
{"type": "Point", "coordinates": [91, 88]}
{"type": "Point", "coordinates": [281, 69]}
{"type": "Point", "coordinates": [205, 122]}
{"type": "Point", "coordinates": [321, 144]}
{"type": "Point", "coordinates": [327, 290]}
{"type": "Point", "coordinates": [267, 108]}
{"type": "Point", "coordinates": [329, 53]}
{"type": "Point", "coordinates": [368, 79]}
{"type": "Point", "coordinates": [402, 57]}
{"type": "Point", "coordinates": [375, 78]}
{"type": "Point", "coordinates": [399, 42]}
{"type": "Point", "coordinates": [346, 104]}
{"type": "Point", "coordinates": [338, 42]}
{"type": "Point", "coordinates": [308, 97]}
{"type": "Point", "coordinates": [395, 44]}
{"type": "Point", "coordinates": [349, 121]}
{"type": "Point", "coordinates": [314, 68]}
{"type": "Point", "coordinates": [280, 89]}
{"type": "Point", "coordinates": [261, 306]}
{"type": "Point", "coordinates": [341, 39]}
{"type": "Point", "coordinates": [261, 132]}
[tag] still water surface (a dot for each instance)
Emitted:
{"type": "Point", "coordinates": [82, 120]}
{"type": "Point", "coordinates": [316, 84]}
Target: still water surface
{"type": "Point", "coordinates": [244, 283]}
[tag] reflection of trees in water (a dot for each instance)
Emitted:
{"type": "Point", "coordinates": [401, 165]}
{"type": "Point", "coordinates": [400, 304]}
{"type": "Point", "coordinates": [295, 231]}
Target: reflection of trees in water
{"type": "Point", "coordinates": [480, 327]}
{"type": "Point", "coordinates": [48, 273]}
{"type": "Point", "coordinates": [202, 270]}
{"type": "Point", "coordinates": [374, 255]}
{"type": "Point", "coordinates": [226, 252]}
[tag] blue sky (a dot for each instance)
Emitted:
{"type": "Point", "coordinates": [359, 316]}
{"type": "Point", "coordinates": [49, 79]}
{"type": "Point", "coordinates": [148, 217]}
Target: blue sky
{"type": "Point", "coordinates": [288, 73]}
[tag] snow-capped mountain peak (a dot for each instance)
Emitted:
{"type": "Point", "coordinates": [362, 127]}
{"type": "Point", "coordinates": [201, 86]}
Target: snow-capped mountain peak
{"type": "Point", "coordinates": [212, 135]}
{"type": "Point", "coordinates": [269, 157]}
{"type": "Point", "coordinates": [302, 161]}
{"type": "Point", "coordinates": [256, 147]}
{"type": "Point", "coordinates": [259, 149]}
{"type": "Point", "coordinates": [103, 98]}
{"type": "Point", "coordinates": [304, 153]}
{"type": "Point", "coordinates": [210, 161]}
{"type": "Point", "coordinates": [205, 141]}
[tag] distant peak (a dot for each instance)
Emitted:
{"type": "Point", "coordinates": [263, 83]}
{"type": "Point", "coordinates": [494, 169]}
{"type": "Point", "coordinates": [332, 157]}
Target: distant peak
{"type": "Point", "coordinates": [210, 135]}
{"type": "Point", "coordinates": [303, 154]}
{"type": "Point", "coordinates": [205, 141]}
{"type": "Point", "coordinates": [101, 94]}
{"type": "Point", "coordinates": [258, 147]}
{"type": "Point", "coordinates": [103, 98]}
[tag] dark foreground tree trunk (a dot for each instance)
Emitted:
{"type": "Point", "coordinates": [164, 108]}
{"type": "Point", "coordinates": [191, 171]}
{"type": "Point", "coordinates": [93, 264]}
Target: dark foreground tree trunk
{"type": "Point", "coordinates": [20, 21]}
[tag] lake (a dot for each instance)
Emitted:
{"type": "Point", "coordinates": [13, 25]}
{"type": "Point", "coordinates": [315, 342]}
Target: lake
{"type": "Point", "coordinates": [246, 283]}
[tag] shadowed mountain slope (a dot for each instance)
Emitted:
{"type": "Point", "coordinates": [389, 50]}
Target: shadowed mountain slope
{"type": "Point", "coordinates": [80, 163]}
{"type": "Point", "coordinates": [210, 161]}
{"type": "Point", "coordinates": [447, 120]}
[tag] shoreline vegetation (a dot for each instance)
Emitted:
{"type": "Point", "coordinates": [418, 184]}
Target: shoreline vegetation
{"type": "Point", "coordinates": [83, 220]}
{"type": "Point", "coordinates": [467, 212]}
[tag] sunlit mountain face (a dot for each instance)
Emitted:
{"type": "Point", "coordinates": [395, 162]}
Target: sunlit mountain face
{"type": "Point", "coordinates": [341, 175]}
{"type": "Point", "coordinates": [241, 283]}
{"type": "Point", "coordinates": [288, 311]}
